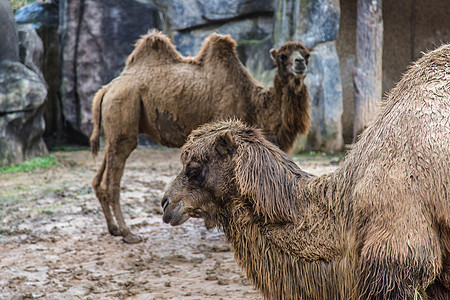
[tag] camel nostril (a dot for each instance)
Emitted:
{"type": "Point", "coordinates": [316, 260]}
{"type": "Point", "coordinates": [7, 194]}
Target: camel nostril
{"type": "Point", "coordinates": [164, 202]}
{"type": "Point", "coordinates": [299, 61]}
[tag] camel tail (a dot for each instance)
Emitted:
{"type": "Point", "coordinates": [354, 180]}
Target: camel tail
{"type": "Point", "coordinates": [96, 120]}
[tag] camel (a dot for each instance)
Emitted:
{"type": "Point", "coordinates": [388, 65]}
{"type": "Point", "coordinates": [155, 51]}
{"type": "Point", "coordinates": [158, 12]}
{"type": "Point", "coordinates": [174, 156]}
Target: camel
{"type": "Point", "coordinates": [165, 96]}
{"type": "Point", "coordinates": [376, 228]}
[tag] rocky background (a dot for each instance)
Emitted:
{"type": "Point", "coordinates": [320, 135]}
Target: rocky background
{"type": "Point", "coordinates": [83, 44]}
{"type": "Point", "coordinates": [22, 91]}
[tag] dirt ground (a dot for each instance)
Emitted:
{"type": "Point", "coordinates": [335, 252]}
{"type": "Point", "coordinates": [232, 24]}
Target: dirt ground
{"type": "Point", "coordinates": [54, 243]}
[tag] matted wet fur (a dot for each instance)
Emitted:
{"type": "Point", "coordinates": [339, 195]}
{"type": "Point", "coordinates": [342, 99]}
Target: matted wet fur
{"type": "Point", "coordinates": [165, 96]}
{"type": "Point", "coordinates": [376, 228]}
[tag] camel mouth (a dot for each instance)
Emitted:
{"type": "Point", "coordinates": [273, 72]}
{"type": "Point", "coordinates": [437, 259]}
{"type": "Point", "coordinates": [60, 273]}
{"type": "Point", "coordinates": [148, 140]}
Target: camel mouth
{"type": "Point", "coordinates": [300, 69]}
{"type": "Point", "coordinates": [175, 216]}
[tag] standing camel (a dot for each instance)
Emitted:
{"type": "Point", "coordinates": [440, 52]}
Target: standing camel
{"type": "Point", "coordinates": [165, 96]}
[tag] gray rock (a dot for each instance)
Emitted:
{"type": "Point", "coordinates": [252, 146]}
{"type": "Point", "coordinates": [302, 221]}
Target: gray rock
{"type": "Point", "coordinates": [319, 22]}
{"type": "Point", "coordinates": [31, 48]}
{"type": "Point", "coordinates": [255, 54]}
{"type": "Point", "coordinates": [9, 42]}
{"type": "Point", "coordinates": [97, 37]}
{"type": "Point", "coordinates": [214, 10]}
{"type": "Point", "coordinates": [324, 85]}
{"type": "Point", "coordinates": [22, 96]}
{"type": "Point", "coordinates": [252, 29]}
{"type": "Point", "coordinates": [44, 17]}
{"type": "Point", "coordinates": [188, 14]}
{"type": "Point", "coordinates": [308, 21]}
{"type": "Point", "coordinates": [40, 14]}
{"type": "Point", "coordinates": [181, 14]}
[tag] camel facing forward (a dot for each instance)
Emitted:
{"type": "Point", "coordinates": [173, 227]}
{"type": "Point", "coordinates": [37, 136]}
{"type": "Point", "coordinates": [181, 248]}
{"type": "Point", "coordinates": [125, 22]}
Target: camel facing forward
{"type": "Point", "coordinates": [165, 96]}
{"type": "Point", "coordinates": [376, 228]}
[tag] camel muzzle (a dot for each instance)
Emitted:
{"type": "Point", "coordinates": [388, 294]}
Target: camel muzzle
{"type": "Point", "coordinates": [299, 66]}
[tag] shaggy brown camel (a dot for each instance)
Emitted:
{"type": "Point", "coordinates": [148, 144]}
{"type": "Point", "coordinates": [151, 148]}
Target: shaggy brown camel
{"type": "Point", "coordinates": [377, 228]}
{"type": "Point", "coordinates": [165, 96]}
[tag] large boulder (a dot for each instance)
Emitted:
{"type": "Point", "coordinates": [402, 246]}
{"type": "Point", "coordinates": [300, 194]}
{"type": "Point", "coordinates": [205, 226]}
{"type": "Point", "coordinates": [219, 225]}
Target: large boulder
{"type": "Point", "coordinates": [22, 96]}
{"type": "Point", "coordinates": [96, 36]}
{"type": "Point", "coordinates": [44, 17]}
{"type": "Point", "coordinates": [31, 49]}
{"type": "Point", "coordinates": [9, 42]}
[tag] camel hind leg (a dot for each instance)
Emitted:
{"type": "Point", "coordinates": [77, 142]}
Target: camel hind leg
{"type": "Point", "coordinates": [120, 115]}
{"type": "Point", "coordinates": [116, 154]}
{"type": "Point", "coordinates": [101, 195]}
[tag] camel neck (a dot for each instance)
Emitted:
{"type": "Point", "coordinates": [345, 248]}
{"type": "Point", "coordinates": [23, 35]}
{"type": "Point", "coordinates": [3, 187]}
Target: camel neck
{"type": "Point", "coordinates": [277, 257]}
{"type": "Point", "coordinates": [288, 100]}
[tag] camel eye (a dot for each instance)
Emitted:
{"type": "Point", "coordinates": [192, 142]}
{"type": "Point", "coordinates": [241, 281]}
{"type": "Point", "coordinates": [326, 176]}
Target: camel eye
{"type": "Point", "coordinates": [306, 56]}
{"type": "Point", "coordinates": [195, 174]}
{"type": "Point", "coordinates": [283, 57]}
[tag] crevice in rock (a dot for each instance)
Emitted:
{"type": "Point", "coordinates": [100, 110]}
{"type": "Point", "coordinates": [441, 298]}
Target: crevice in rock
{"type": "Point", "coordinates": [75, 62]}
{"type": "Point", "coordinates": [4, 113]}
{"type": "Point", "coordinates": [219, 22]}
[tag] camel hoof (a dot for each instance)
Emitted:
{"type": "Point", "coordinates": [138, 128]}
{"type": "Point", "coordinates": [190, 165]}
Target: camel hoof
{"type": "Point", "coordinates": [132, 239]}
{"type": "Point", "coordinates": [114, 230]}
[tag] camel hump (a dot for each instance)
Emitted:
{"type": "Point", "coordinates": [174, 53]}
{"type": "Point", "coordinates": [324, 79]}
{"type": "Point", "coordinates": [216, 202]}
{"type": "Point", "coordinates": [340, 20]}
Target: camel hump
{"type": "Point", "coordinates": [220, 40]}
{"type": "Point", "coordinates": [217, 46]}
{"type": "Point", "coordinates": [154, 43]}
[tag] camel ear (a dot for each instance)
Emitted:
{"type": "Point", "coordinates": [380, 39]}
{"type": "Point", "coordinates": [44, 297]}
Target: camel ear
{"type": "Point", "coordinates": [262, 179]}
{"type": "Point", "coordinates": [225, 143]}
{"type": "Point", "coordinates": [273, 54]}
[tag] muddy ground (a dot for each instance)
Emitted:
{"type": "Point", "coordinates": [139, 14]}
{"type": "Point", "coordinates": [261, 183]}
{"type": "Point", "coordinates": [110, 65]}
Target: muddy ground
{"type": "Point", "coordinates": [54, 243]}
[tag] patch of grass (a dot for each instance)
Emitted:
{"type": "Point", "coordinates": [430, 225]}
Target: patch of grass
{"type": "Point", "coordinates": [16, 4]}
{"type": "Point", "coordinates": [47, 211]}
{"type": "Point", "coordinates": [70, 148]}
{"type": "Point", "coordinates": [31, 165]}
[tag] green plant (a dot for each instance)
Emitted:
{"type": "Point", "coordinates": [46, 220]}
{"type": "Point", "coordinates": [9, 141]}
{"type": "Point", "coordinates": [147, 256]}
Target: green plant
{"type": "Point", "coordinates": [32, 164]}
{"type": "Point", "coordinates": [16, 4]}
{"type": "Point", "coordinates": [417, 295]}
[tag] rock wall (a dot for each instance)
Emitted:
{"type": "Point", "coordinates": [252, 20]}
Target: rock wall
{"type": "Point", "coordinates": [31, 49]}
{"type": "Point", "coordinates": [22, 91]}
{"type": "Point", "coordinates": [9, 41]}
{"type": "Point", "coordinates": [22, 96]}
{"type": "Point", "coordinates": [96, 37]}
{"type": "Point", "coordinates": [44, 17]}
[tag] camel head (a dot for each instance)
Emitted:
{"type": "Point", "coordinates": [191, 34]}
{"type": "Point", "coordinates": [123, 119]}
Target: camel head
{"type": "Point", "coordinates": [291, 59]}
{"type": "Point", "coordinates": [227, 165]}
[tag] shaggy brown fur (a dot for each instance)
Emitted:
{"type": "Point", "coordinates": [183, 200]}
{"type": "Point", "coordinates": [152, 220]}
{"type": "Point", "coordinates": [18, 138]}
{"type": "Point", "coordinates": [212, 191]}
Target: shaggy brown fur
{"type": "Point", "coordinates": [165, 95]}
{"type": "Point", "coordinates": [377, 228]}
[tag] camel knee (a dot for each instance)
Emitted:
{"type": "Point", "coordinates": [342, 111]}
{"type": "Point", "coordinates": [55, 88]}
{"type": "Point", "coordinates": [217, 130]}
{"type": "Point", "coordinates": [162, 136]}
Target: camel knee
{"type": "Point", "coordinates": [96, 183]}
{"type": "Point", "coordinates": [123, 147]}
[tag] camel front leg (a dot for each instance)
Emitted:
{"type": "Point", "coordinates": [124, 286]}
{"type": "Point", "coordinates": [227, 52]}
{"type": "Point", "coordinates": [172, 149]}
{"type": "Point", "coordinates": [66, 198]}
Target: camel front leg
{"type": "Point", "coordinates": [128, 236]}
